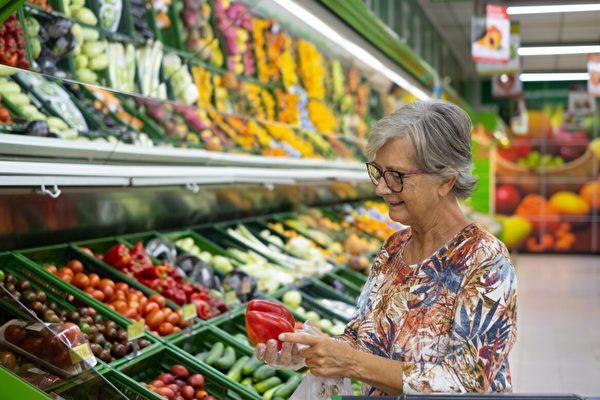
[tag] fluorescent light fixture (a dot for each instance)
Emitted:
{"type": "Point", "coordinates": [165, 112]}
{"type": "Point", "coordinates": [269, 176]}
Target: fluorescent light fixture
{"type": "Point", "coordinates": [562, 8]}
{"type": "Point", "coordinates": [354, 49]}
{"type": "Point", "coordinates": [552, 76]}
{"type": "Point", "coordinates": [556, 50]}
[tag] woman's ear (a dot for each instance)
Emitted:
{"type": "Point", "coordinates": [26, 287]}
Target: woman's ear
{"type": "Point", "coordinates": [447, 184]}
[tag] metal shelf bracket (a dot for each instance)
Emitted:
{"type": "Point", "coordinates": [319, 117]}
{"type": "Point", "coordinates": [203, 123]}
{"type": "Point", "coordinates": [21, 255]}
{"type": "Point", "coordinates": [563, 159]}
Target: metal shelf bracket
{"type": "Point", "coordinates": [55, 192]}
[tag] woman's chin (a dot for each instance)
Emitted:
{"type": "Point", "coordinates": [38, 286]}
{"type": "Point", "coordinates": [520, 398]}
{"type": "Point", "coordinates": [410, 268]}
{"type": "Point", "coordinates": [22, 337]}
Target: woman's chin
{"type": "Point", "coordinates": [398, 215]}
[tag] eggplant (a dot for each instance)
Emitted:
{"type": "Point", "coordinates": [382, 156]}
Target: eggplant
{"type": "Point", "coordinates": [241, 283]}
{"type": "Point", "coordinates": [37, 128]}
{"type": "Point", "coordinates": [59, 27]}
{"type": "Point", "coordinates": [64, 45]}
{"type": "Point", "coordinates": [162, 249]}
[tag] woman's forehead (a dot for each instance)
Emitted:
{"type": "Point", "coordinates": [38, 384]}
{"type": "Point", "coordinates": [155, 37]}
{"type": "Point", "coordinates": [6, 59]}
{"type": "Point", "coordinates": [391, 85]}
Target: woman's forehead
{"type": "Point", "coordinates": [395, 153]}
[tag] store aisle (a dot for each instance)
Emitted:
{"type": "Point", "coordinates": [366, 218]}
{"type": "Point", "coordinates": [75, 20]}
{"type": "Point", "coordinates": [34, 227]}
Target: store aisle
{"type": "Point", "coordinates": [558, 345]}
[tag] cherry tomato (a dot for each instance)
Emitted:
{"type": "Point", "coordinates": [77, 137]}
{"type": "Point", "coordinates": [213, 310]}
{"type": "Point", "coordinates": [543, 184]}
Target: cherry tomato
{"type": "Point", "coordinates": [166, 328]}
{"type": "Point", "coordinates": [106, 281]}
{"type": "Point", "coordinates": [122, 286]}
{"type": "Point", "coordinates": [51, 268]}
{"type": "Point", "coordinates": [81, 280]}
{"type": "Point", "coordinates": [98, 294]}
{"type": "Point", "coordinates": [172, 318]}
{"type": "Point", "coordinates": [157, 298]}
{"type": "Point", "coordinates": [94, 280]}
{"type": "Point", "coordinates": [75, 265]}
{"type": "Point", "coordinates": [155, 318]}
{"type": "Point", "coordinates": [120, 306]}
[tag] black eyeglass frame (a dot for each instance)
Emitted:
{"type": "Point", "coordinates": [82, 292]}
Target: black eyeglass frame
{"type": "Point", "coordinates": [397, 174]}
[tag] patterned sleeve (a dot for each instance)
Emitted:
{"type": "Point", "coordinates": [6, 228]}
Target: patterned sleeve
{"type": "Point", "coordinates": [483, 331]}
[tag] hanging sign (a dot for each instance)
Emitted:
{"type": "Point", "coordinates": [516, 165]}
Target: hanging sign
{"type": "Point", "coordinates": [594, 71]}
{"type": "Point", "coordinates": [490, 36]}
{"type": "Point", "coordinates": [514, 63]}
{"type": "Point", "coordinates": [580, 102]}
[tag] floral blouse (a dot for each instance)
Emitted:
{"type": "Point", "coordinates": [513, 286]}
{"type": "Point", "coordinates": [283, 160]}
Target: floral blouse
{"type": "Point", "coordinates": [451, 319]}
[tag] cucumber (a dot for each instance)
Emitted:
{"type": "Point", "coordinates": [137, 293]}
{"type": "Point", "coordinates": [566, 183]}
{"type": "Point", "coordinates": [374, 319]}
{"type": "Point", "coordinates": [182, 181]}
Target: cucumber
{"type": "Point", "coordinates": [268, 395]}
{"type": "Point", "coordinates": [263, 373]}
{"type": "Point", "coordinates": [267, 384]}
{"type": "Point", "coordinates": [215, 353]}
{"type": "Point", "coordinates": [202, 356]}
{"type": "Point", "coordinates": [19, 99]}
{"type": "Point", "coordinates": [235, 373]}
{"type": "Point", "coordinates": [9, 88]}
{"type": "Point", "coordinates": [247, 383]}
{"type": "Point", "coordinates": [288, 388]}
{"type": "Point", "coordinates": [241, 338]}
{"type": "Point", "coordinates": [251, 365]}
{"type": "Point", "coordinates": [227, 360]}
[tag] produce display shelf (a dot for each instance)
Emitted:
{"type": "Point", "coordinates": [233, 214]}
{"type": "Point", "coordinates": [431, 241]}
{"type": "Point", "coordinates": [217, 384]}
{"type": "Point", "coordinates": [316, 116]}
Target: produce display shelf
{"type": "Point", "coordinates": [147, 367]}
{"type": "Point", "coordinates": [202, 340]}
{"type": "Point", "coordinates": [61, 254]}
{"type": "Point", "coordinates": [58, 292]}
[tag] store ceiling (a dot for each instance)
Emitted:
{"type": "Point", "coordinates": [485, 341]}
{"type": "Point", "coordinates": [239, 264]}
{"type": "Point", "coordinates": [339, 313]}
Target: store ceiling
{"type": "Point", "coordinates": [453, 19]}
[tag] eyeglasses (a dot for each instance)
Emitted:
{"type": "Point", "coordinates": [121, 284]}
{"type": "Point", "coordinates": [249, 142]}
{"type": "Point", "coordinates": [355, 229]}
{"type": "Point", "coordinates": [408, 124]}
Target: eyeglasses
{"type": "Point", "coordinates": [393, 179]}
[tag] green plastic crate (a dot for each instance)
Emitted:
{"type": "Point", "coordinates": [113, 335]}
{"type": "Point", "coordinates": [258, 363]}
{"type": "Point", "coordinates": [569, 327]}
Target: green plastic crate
{"type": "Point", "coordinates": [147, 367]}
{"type": "Point", "coordinates": [351, 291]}
{"type": "Point", "coordinates": [202, 340]}
{"type": "Point", "coordinates": [61, 293]}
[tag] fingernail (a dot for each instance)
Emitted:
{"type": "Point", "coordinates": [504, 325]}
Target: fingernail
{"type": "Point", "coordinates": [283, 336]}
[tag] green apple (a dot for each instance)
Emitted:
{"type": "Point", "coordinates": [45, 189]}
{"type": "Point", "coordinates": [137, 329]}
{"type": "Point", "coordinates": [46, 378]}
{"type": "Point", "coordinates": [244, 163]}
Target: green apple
{"type": "Point", "coordinates": [515, 230]}
{"type": "Point", "coordinates": [292, 298]}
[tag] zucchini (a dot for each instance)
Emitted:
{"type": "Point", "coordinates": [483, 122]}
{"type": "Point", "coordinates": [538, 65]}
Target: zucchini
{"type": "Point", "coordinates": [227, 360]}
{"type": "Point", "coordinates": [247, 383]}
{"type": "Point", "coordinates": [215, 353]}
{"type": "Point", "coordinates": [251, 365]}
{"type": "Point", "coordinates": [262, 373]}
{"type": "Point", "coordinates": [268, 395]}
{"type": "Point", "coordinates": [235, 373]}
{"type": "Point", "coordinates": [288, 388]}
{"type": "Point", "coordinates": [267, 384]}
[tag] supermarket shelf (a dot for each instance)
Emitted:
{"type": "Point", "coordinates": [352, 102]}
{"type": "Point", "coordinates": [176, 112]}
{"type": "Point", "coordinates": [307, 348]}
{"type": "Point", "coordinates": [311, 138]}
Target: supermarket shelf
{"type": "Point", "coordinates": [26, 173]}
{"type": "Point", "coordinates": [28, 146]}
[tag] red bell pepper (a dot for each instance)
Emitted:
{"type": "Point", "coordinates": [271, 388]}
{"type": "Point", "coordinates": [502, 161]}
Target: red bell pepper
{"type": "Point", "coordinates": [266, 320]}
{"type": "Point", "coordinates": [118, 256]}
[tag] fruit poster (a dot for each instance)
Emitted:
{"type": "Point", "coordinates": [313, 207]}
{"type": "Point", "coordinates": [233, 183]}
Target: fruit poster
{"type": "Point", "coordinates": [514, 63]}
{"type": "Point", "coordinates": [547, 186]}
{"type": "Point", "coordinates": [594, 71]}
{"type": "Point", "coordinates": [490, 37]}
{"type": "Point", "coordinates": [581, 103]}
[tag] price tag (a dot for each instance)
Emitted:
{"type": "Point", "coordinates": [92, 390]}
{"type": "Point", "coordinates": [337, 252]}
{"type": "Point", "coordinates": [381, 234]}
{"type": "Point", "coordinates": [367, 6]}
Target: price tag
{"type": "Point", "coordinates": [135, 330]}
{"type": "Point", "coordinates": [189, 311]}
{"type": "Point", "coordinates": [83, 352]}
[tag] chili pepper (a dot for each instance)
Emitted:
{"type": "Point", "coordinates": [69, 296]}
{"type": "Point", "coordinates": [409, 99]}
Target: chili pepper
{"type": "Point", "coordinates": [266, 320]}
{"type": "Point", "coordinates": [118, 256]}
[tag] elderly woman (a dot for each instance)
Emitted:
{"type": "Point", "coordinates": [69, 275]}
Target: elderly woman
{"type": "Point", "coordinates": [438, 311]}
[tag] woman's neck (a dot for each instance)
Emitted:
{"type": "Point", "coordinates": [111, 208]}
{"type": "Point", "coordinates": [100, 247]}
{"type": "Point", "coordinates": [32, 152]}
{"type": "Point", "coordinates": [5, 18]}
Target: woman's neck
{"type": "Point", "coordinates": [436, 230]}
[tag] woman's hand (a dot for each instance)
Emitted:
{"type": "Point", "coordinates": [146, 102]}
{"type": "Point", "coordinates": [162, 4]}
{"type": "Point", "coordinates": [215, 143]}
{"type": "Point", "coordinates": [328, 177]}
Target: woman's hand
{"type": "Point", "coordinates": [286, 357]}
{"type": "Point", "coordinates": [324, 356]}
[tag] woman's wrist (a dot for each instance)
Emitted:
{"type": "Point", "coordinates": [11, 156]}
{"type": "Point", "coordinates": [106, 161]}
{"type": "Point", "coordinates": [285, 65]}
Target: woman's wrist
{"type": "Point", "coordinates": [357, 365]}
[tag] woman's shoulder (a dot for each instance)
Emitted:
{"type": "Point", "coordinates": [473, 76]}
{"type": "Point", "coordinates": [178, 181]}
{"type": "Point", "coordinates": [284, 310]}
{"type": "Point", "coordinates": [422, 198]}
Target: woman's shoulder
{"type": "Point", "coordinates": [480, 248]}
{"type": "Point", "coordinates": [396, 240]}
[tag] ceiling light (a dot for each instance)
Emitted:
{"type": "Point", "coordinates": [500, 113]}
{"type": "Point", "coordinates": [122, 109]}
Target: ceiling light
{"type": "Point", "coordinates": [563, 8]}
{"type": "Point", "coordinates": [554, 76]}
{"type": "Point", "coordinates": [555, 50]}
{"type": "Point", "coordinates": [351, 47]}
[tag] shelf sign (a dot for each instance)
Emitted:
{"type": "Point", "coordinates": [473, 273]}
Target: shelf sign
{"type": "Point", "coordinates": [188, 311]}
{"type": "Point", "coordinates": [490, 36]}
{"type": "Point", "coordinates": [135, 330]}
{"type": "Point", "coordinates": [594, 71]}
{"type": "Point", "coordinates": [83, 352]}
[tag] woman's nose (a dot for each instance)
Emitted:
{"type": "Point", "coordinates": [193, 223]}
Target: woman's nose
{"type": "Point", "coordinates": [382, 188]}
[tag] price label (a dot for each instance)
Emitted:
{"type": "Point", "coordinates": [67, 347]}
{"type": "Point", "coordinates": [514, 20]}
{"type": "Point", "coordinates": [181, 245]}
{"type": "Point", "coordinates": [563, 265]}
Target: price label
{"type": "Point", "coordinates": [135, 330]}
{"type": "Point", "coordinates": [83, 352]}
{"type": "Point", "coordinates": [189, 311]}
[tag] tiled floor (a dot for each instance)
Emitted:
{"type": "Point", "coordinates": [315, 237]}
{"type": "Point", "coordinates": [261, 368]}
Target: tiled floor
{"type": "Point", "coordinates": [558, 339]}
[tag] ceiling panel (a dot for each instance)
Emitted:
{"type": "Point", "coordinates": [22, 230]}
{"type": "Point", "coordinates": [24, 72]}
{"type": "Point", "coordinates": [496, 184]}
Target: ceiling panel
{"type": "Point", "coordinates": [574, 62]}
{"type": "Point", "coordinates": [540, 63]}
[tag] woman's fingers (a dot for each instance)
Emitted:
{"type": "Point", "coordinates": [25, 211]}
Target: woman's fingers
{"type": "Point", "coordinates": [300, 338]}
{"type": "Point", "coordinates": [285, 355]}
{"type": "Point", "coordinates": [271, 352]}
{"type": "Point", "coordinates": [259, 350]}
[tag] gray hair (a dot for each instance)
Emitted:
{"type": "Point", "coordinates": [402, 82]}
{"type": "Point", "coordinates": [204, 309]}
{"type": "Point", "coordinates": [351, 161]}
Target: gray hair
{"type": "Point", "coordinates": [441, 135]}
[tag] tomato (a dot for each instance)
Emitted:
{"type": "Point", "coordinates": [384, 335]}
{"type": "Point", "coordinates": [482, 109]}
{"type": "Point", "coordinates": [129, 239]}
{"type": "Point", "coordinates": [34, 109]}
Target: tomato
{"type": "Point", "coordinates": [107, 290]}
{"type": "Point", "coordinates": [107, 282]}
{"type": "Point", "coordinates": [120, 295]}
{"type": "Point", "coordinates": [81, 280]}
{"type": "Point", "coordinates": [129, 313]}
{"type": "Point", "coordinates": [157, 298]}
{"type": "Point", "coordinates": [187, 392]}
{"type": "Point", "coordinates": [155, 318]}
{"type": "Point", "coordinates": [94, 279]}
{"type": "Point", "coordinates": [166, 328]}
{"type": "Point", "coordinates": [67, 277]}
{"type": "Point", "coordinates": [70, 332]}
{"type": "Point", "coordinates": [122, 286]}
{"type": "Point", "coordinates": [149, 308]}
{"type": "Point", "coordinates": [65, 271]}
{"type": "Point", "coordinates": [98, 294]}
{"type": "Point", "coordinates": [134, 304]}
{"type": "Point", "coordinates": [15, 334]}
{"type": "Point", "coordinates": [131, 296]}
{"type": "Point", "coordinates": [172, 318]}
{"type": "Point", "coordinates": [507, 199]}
{"type": "Point", "coordinates": [75, 265]}
{"type": "Point", "coordinates": [51, 268]}
{"type": "Point", "coordinates": [119, 305]}
{"type": "Point", "coordinates": [89, 290]}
